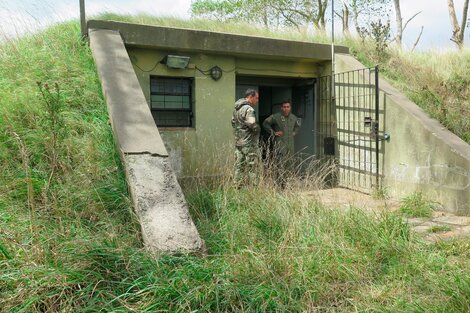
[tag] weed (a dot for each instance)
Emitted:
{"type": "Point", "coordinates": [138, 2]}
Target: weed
{"type": "Point", "coordinates": [415, 205]}
{"type": "Point", "coordinates": [380, 193]}
{"type": "Point", "coordinates": [439, 228]}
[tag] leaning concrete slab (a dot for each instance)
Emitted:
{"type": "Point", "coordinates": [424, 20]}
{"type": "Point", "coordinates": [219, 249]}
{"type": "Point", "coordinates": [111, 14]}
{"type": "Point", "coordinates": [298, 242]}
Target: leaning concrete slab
{"type": "Point", "coordinates": [130, 115]}
{"type": "Point", "coordinates": [160, 205]}
{"type": "Point", "coordinates": [156, 194]}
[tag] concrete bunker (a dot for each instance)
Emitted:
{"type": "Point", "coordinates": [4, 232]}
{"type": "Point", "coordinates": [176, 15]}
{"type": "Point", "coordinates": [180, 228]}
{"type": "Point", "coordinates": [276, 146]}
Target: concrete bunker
{"type": "Point", "coordinates": [193, 114]}
{"type": "Point", "coordinates": [192, 110]}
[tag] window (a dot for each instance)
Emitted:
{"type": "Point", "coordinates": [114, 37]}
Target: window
{"type": "Point", "coordinates": [171, 101]}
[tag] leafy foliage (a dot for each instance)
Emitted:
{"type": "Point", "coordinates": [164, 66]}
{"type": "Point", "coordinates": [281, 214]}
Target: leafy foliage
{"type": "Point", "coordinates": [379, 33]}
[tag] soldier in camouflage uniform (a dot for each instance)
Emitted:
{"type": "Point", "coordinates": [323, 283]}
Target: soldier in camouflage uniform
{"type": "Point", "coordinates": [282, 127]}
{"type": "Point", "coordinates": [246, 132]}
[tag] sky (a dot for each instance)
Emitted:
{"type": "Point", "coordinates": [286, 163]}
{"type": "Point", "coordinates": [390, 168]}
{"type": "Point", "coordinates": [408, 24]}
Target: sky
{"type": "Point", "coordinates": [18, 17]}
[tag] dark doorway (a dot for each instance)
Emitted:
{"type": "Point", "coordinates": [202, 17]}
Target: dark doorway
{"type": "Point", "coordinates": [274, 90]}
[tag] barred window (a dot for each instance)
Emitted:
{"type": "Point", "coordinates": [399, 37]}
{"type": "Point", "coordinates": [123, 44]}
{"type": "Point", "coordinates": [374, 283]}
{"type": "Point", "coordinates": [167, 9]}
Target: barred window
{"type": "Point", "coordinates": [171, 101]}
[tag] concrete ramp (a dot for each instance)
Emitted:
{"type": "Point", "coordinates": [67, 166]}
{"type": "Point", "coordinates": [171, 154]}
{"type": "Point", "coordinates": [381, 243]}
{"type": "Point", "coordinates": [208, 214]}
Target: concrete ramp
{"type": "Point", "coordinates": [156, 194]}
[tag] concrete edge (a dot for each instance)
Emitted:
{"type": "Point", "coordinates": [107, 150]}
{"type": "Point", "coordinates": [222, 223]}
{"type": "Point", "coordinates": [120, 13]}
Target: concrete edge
{"type": "Point", "coordinates": [216, 42]}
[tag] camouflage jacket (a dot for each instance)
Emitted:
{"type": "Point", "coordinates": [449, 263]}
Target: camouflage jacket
{"type": "Point", "coordinates": [289, 125]}
{"type": "Point", "coordinates": [245, 128]}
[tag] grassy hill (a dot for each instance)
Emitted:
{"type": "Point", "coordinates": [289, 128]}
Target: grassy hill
{"type": "Point", "coordinates": [69, 241]}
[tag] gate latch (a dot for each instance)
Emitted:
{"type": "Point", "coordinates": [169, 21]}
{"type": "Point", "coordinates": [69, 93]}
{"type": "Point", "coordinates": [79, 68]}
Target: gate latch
{"type": "Point", "coordinates": [374, 126]}
{"type": "Point", "coordinates": [374, 131]}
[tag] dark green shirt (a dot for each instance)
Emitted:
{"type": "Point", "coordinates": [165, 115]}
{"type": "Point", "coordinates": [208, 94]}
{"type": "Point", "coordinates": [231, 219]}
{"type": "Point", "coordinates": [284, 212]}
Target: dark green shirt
{"type": "Point", "coordinates": [245, 128]}
{"type": "Point", "coordinates": [288, 125]}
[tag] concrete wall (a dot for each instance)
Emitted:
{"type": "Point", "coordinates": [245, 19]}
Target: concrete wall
{"type": "Point", "coordinates": [421, 154]}
{"type": "Point", "coordinates": [207, 148]}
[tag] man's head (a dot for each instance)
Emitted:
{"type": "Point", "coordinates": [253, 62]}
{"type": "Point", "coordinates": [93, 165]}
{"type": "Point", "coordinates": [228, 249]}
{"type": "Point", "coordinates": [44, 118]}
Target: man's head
{"type": "Point", "coordinates": [252, 96]}
{"type": "Point", "coordinates": [286, 108]}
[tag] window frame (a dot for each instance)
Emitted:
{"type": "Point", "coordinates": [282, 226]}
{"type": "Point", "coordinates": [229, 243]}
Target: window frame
{"type": "Point", "coordinates": [189, 110]}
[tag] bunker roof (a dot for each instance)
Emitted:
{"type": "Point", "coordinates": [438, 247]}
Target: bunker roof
{"type": "Point", "coordinates": [180, 39]}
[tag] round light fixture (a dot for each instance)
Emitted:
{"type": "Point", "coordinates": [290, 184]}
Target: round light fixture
{"type": "Point", "coordinates": [216, 72]}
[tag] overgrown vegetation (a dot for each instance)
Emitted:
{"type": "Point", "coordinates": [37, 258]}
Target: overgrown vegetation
{"type": "Point", "coordinates": [439, 228]}
{"type": "Point", "coordinates": [415, 205]}
{"type": "Point", "coordinates": [70, 243]}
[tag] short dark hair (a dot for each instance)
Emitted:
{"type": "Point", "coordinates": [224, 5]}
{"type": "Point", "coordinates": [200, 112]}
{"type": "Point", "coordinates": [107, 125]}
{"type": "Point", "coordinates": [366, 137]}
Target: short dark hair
{"type": "Point", "coordinates": [250, 93]}
{"type": "Point", "coordinates": [286, 101]}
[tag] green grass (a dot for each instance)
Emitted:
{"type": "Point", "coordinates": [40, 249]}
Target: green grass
{"type": "Point", "coordinates": [69, 241]}
{"type": "Point", "coordinates": [216, 26]}
{"type": "Point", "coordinates": [439, 228]}
{"type": "Point", "coordinates": [415, 205]}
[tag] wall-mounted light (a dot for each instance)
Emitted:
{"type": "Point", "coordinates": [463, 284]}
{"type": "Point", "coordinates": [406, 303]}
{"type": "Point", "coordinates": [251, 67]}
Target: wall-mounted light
{"type": "Point", "coordinates": [215, 72]}
{"type": "Point", "coordinates": [176, 61]}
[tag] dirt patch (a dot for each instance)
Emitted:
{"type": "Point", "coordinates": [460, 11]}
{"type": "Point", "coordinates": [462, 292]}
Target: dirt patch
{"type": "Point", "coordinates": [346, 198]}
{"type": "Point", "coordinates": [440, 226]}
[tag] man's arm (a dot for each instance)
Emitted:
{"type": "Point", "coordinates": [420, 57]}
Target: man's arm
{"type": "Point", "coordinates": [250, 119]}
{"type": "Point", "coordinates": [267, 125]}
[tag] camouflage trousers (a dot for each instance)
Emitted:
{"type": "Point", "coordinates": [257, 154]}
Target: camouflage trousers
{"type": "Point", "coordinates": [246, 166]}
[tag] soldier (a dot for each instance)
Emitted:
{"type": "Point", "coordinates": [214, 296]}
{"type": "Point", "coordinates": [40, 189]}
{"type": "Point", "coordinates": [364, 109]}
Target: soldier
{"type": "Point", "coordinates": [246, 132]}
{"type": "Point", "coordinates": [282, 127]}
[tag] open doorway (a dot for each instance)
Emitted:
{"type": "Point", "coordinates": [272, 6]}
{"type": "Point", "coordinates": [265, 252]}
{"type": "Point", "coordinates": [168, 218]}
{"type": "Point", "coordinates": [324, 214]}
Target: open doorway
{"type": "Point", "coordinates": [272, 92]}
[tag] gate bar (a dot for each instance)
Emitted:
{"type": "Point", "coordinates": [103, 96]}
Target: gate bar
{"type": "Point", "coordinates": [377, 121]}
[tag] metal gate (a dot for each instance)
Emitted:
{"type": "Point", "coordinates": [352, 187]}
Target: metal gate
{"type": "Point", "coordinates": [350, 127]}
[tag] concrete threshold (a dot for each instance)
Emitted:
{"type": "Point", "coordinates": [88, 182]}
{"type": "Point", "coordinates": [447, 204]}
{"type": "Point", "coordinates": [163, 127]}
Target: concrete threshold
{"type": "Point", "coordinates": [158, 200]}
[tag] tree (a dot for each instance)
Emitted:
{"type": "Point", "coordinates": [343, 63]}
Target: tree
{"type": "Point", "coordinates": [259, 11]}
{"type": "Point", "coordinates": [303, 12]}
{"type": "Point", "coordinates": [345, 18]}
{"type": "Point", "coordinates": [298, 13]}
{"type": "Point", "coordinates": [399, 22]}
{"type": "Point", "coordinates": [457, 30]}
{"type": "Point", "coordinates": [361, 10]}
{"type": "Point", "coordinates": [400, 26]}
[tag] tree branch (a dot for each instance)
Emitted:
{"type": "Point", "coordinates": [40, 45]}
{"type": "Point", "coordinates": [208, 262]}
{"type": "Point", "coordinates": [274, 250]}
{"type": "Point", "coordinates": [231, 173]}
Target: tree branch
{"type": "Point", "coordinates": [417, 40]}
{"type": "Point", "coordinates": [409, 20]}
{"type": "Point", "coordinates": [464, 20]}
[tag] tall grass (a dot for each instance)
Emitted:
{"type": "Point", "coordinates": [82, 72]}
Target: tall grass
{"type": "Point", "coordinates": [240, 28]}
{"type": "Point", "coordinates": [70, 243]}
